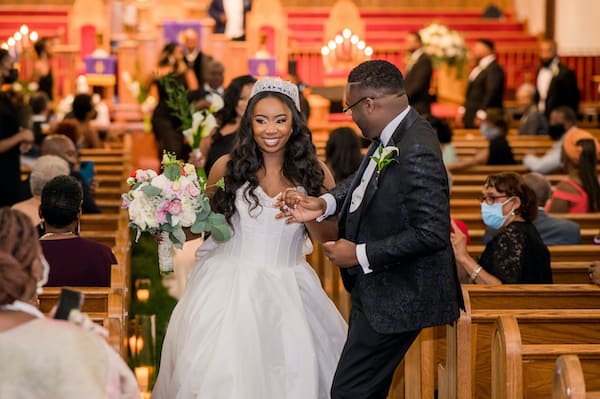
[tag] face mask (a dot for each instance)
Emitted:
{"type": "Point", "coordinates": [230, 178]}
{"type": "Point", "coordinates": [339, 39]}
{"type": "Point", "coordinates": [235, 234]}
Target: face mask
{"type": "Point", "coordinates": [556, 131]}
{"type": "Point", "coordinates": [489, 132]}
{"type": "Point", "coordinates": [492, 214]}
{"type": "Point", "coordinates": [12, 77]}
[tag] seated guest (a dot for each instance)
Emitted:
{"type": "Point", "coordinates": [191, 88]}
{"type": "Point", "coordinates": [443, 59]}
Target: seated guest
{"type": "Point", "coordinates": [234, 104]}
{"type": "Point", "coordinates": [579, 192]}
{"type": "Point", "coordinates": [84, 112]}
{"type": "Point", "coordinates": [532, 121]}
{"type": "Point", "coordinates": [42, 357]}
{"type": "Point", "coordinates": [562, 119]}
{"type": "Point", "coordinates": [517, 253]}
{"type": "Point", "coordinates": [214, 76]}
{"type": "Point", "coordinates": [342, 153]}
{"type": "Point", "coordinates": [73, 260]}
{"type": "Point", "coordinates": [498, 151]}
{"type": "Point", "coordinates": [553, 230]}
{"type": "Point", "coordinates": [44, 169]}
{"type": "Point", "coordinates": [444, 134]}
{"type": "Point", "coordinates": [62, 146]}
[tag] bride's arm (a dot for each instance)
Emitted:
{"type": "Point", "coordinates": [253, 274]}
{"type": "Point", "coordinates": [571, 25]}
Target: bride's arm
{"type": "Point", "coordinates": [326, 230]}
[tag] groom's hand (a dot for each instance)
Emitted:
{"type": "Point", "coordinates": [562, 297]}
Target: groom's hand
{"type": "Point", "coordinates": [298, 207]}
{"type": "Point", "coordinates": [341, 253]}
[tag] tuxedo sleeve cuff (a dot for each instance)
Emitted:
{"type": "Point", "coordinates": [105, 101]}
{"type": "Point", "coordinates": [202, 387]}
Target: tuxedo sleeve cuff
{"type": "Point", "coordinates": [361, 255]}
{"type": "Point", "coordinates": [331, 206]}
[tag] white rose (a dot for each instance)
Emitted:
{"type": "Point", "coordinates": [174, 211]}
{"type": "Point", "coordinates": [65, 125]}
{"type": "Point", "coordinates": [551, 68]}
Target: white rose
{"type": "Point", "coordinates": [161, 182]}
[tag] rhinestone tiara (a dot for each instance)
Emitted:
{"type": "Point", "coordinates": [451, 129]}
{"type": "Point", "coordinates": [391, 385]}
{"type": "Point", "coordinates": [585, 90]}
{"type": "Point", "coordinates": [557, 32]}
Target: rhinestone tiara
{"type": "Point", "coordinates": [276, 84]}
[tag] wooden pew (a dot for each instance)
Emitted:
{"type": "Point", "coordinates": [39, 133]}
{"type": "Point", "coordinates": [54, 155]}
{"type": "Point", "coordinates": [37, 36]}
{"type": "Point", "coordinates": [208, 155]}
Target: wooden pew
{"type": "Point", "coordinates": [568, 381]}
{"type": "Point", "coordinates": [587, 235]}
{"type": "Point", "coordinates": [558, 253]}
{"type": "Point", "coordinates": [466, 372]}
{"type": "Point", "coordinates": [585, 220]}
{"type": "Point", "coordinates": [524, 351]}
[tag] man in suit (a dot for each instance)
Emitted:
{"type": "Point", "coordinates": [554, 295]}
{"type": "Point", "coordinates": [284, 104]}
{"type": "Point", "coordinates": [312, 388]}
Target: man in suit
{"type": "Point", "coordinates": [553, 230]}
{"type": "Point", "coordinates": [230, 17]}
{"type": "Point", "coordinates": [556, 83]}
{"type": "Point", "coordinates": [418, 75]}
{"type": "Point", "coordinates": [194, 58]}
{"type": "Point", "coordinates": [394, 250]}
{"type": "Point", "coordinates": [486, 84]}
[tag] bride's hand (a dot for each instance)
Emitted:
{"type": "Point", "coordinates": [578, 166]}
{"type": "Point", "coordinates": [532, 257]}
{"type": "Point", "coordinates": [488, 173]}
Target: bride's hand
{"type": "Point", "coordinates": [298, 207]}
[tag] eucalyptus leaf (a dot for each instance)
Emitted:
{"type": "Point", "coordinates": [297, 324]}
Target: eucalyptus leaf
{"type": "Point", "coordinates": [179, 236]}
{"type": "Point", "coordinates": [199, 226]}
{"type": "Point", "coordinates": [151, 190]}
{"type": "Point", "coordinates": [173, 172]}
{"type": "Point", "coordinates": [221, 232]}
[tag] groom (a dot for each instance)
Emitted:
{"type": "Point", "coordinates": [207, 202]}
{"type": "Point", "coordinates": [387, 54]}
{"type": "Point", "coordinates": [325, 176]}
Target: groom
{"type": "Point", "coordinates": [394, 252]}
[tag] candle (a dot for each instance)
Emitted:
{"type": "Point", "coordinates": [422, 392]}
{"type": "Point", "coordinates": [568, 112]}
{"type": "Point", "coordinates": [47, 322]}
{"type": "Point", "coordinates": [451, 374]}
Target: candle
{"type": "Point", "coordinates": [142, 374]}
{"type": "Point", "coordinates": [143, 294]}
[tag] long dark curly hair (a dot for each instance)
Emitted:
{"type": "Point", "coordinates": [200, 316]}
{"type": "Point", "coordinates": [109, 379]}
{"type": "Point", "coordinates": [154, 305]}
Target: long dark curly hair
{"type": "Point", "coordinates": [231, 97]}
{"type": "Point", "coordinates": [300, 164]}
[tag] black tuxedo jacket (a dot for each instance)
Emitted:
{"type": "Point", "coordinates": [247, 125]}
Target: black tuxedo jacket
{"type": "Point", "coordinates": [198, 67]}
{"type": "Point", "coordinates": [563, 90]}
{"type": "Point", "coordinates": [404, 220]}
{"type": "Point", "coordinates": [417, 82]}
{"type": "Point", "coordinates": [484, 92]}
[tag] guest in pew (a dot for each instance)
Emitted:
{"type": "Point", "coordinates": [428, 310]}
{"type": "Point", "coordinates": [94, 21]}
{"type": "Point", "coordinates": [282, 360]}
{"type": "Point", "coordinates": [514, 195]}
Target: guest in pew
{"type": "Point", "coordinates": [532, 122]}
{"type": "Point", "coordinates": [579, 192]}
{"type": "Point", "coordinates": [83, 113]}
{"type": "Point", "coordinates": [444, 134]}
{"type": "Point", "coordinates": [498, 151]}
{"type": "Point", "coordinates": [342, 152]}
{"type": "Point", "coordinates": [553, 230]}
{"type": "Point", "coordinates": [486, 85]}
{"type": "Point", "coordinates": [74, 261]}
{"type": "Point", "coordinates": [419, 70]}
{"type": "Point", "coordinates": [42, 357]}
{"type": "Point", "coordinates": [62, 146]}
{"type": "Point", "coordinates": [222, 140]}
{"type": "Point", "coordinates": [517, 253]}
{"type": "Point", "coordinates": [562, 119]}
{"type": "Point", "coordinates": [44, 169]}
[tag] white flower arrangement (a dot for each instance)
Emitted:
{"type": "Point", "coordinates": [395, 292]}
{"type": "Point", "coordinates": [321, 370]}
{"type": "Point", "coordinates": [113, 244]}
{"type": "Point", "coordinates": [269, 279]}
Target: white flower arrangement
{"type": "Point", "coordinates": [165, 204]}
{"type": "Point", "coordinates": [444, 44]}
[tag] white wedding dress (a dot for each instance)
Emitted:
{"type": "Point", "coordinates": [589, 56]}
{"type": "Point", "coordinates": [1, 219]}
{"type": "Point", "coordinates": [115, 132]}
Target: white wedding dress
{"type": "Point", "coordinates": [253, 322]}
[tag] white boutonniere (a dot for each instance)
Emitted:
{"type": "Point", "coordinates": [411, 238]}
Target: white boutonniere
{"type": "Point", "coordinates": [384, 156]}
{"type": "Point", "coordinates": [554, 70]}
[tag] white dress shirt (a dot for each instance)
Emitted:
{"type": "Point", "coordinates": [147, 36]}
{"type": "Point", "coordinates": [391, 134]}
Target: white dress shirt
{"type": "Point", "coordinates": [547, 163]}
{"type": "Point", "coordinates": [544, 79]}
{"type": "Point", "coordinates": [359, 191]}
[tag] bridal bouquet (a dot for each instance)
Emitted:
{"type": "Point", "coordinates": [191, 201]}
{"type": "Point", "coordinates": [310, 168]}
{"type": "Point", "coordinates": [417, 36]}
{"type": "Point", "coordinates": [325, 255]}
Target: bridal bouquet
{"type": "Point", "coordinates": [197, 124]}
{"type": "Point", "coordinates": [164, 204]}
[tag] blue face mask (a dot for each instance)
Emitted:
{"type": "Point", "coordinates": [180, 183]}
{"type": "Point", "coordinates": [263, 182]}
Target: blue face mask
{"type": "Point", "coordinates": [489, 132]}
{"type": "Point", "coordinates": [492, 214]}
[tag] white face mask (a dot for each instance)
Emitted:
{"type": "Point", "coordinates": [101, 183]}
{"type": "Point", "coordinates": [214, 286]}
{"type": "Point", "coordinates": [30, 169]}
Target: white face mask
{"type": "Point", "coordinates": [45, 272]}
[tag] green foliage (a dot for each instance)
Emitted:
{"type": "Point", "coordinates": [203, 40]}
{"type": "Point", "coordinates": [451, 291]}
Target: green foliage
{"type": "Point", "coordinates": [177, 100]}
{"type": "Point", "coordinates": [144, 264]}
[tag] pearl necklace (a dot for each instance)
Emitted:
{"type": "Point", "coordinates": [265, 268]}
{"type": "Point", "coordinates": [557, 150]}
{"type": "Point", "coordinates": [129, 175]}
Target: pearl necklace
{"type": "Point", "coordinates": [20, 306]}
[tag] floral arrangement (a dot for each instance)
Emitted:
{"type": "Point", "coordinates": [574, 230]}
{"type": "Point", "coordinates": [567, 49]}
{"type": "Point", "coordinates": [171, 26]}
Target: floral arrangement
{"type": "Point", "coordinates": [196, 125]}
{"type": "Point", "coordinates": [164, 204]}
{"type": "Point", "coordinates": [444, 44]}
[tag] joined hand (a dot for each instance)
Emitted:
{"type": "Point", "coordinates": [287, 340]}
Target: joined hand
{"type": "Point", "coordinates": [298, 207]}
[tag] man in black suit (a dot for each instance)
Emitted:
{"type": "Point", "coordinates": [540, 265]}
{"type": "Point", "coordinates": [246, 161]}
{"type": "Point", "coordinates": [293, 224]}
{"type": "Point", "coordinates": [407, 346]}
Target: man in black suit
{"type": "Point", "coordinates": [194, 58]}
{"type": "Point", "coordinates": [394, 252]}
{"type": "Point", "coordinates": [486, 84]}
{"type": "Point", "coordinates": [220, 11]}
{"type": "Point", "coordinates": [418, 75]}
{"type": "Point", "coordinates": [556, 83]}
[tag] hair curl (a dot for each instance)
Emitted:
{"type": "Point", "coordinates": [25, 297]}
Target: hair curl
{"type": "Point", "coordinates": [19, 249]}
{"type": "Point", "coordinates": [300, 165]}
{"type": "Point", "coordinates": [513, 185]}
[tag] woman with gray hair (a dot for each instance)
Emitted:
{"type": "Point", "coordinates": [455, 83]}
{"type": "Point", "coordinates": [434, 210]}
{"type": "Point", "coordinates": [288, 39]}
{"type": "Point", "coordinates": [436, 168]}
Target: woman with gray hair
{"type": "Point", "coordinates": [46, 168]}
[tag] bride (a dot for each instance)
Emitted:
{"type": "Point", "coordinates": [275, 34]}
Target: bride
{"type": "Point", "coordinates": [254, 322]}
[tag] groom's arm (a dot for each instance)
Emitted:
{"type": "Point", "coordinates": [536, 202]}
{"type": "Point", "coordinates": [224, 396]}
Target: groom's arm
{"type": "Point", "coordinates": [335, 198]}
{"type": "Point", "coordinates": [427, 200]}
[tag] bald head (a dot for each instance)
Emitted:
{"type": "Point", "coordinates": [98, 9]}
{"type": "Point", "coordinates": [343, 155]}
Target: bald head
{"type": "Point", "coordinates": [190, 39]}
{"type": "Point", "coordinates": [540, 186]}
{"type": "Point", "coordinates": [61, 146]}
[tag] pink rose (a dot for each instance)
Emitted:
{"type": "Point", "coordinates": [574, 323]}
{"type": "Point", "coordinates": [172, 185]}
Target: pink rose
{"type": "Point", "coordinates": [174, 207]}
{"type": "Point", "coordinates": [192, 190]}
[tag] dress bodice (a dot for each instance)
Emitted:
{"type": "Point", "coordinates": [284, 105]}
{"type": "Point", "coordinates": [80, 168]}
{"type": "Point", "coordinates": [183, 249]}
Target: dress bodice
{"type": "Point", "coordinates": [261, 239]}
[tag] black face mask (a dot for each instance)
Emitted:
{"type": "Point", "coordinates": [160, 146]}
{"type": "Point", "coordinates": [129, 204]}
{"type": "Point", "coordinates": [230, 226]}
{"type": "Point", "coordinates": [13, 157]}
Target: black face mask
{"type": "Point", "coordinates": [556, 131]}
{"type": "Point", "coordinates": [13, 76]}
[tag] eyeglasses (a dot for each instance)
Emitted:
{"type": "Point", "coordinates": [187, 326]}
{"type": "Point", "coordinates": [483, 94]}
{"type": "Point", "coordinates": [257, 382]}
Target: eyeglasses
{"type": "Point", "coordinates": [349, 107]}
{"type": "Point", "coordinates": [490, 199]}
